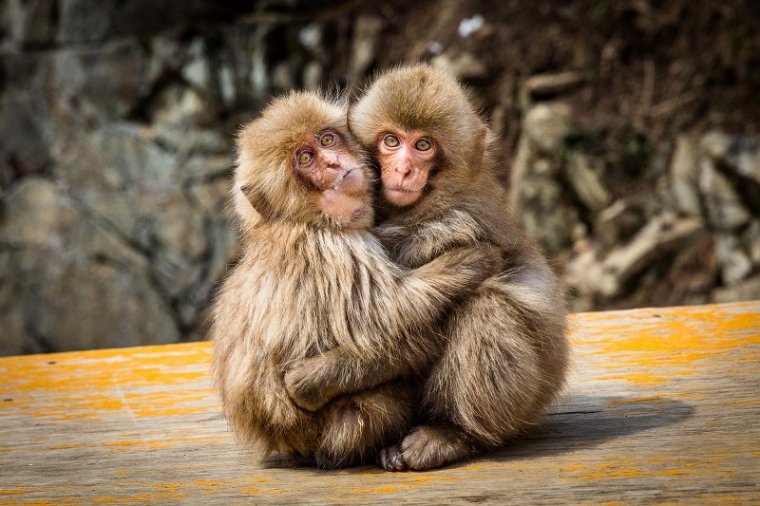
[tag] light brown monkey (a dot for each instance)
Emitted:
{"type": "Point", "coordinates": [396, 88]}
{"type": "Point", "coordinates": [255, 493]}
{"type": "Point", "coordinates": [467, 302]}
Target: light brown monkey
{"type": "Point", "coordinates": [313, 279]}
{"type": "Point", "coordinates": [506, 353]}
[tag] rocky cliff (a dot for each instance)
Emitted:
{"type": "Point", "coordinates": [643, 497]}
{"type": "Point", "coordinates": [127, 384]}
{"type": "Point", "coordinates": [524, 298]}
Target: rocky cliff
{"type": "Point", "coordinates": [628, 133]}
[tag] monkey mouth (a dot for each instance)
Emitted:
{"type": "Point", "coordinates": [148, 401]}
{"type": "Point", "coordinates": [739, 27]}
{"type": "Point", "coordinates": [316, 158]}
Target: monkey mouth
{"type": "Point", "coordinates": [352, 182]}
{"type": "Point", "coordinates": [338, 182]}
{"type": "Point", "coordinates": [403, 190]}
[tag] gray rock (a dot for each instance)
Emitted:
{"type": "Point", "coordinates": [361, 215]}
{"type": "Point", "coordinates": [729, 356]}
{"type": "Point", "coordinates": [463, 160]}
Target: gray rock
{"type": "Point", "coordinates": [725, 210]}
{"type": "Point", "coordinates": [738, 155]}
{"type": "Point", "coordinates": [662, 234]}
{"type": "Point", "coordinates": [310, 37]}
{"type": "Point", "coordinates": [751, 237]}
{"type": "Point", "coordinates": [15, 339]}
{"type": "Point", "coordinates": [117, 118]}
{"type": "Point", "coordinates": [548, 85]}
{"type": "Point", "coordinates": [312, 75]}
{"type": "Point", "coordinates": [464, 65]}
{"type": "Point", "coordinates": [166, 56]}
{"type": "Point", "coordinates": [600, 277]}
{"type": "Point", "coordinates": [734, 260]}
{"type": "Point", "coordinates": [105, 81]}
{"type": "Point", "coordinates": [469, 26]}
{"type": "Point", "coordinates": [181, 107]}
{"type": "Point", "coordinates": [31, 212]}
{"type": "Point", "coordinates": [227, 88]}
{"type": "Point", "coordinates": [178, 229]}
{"type": "Point", "coordinates": [258, 76]}
{"type": "Point", "coordinates": [586, 183]}
{"type": "Point", "coordinates": [548, 124]}
{"type": "Point", "coordinates": [197, 71]}
{"type": "Point", "coordinates": [539, 201]}
{"type": "Point", "coordinates": [203, 168]}
{"type": "Point", "coordinates": [282, 76]}
{"type": "Point", "coordinates": [30, 22]}
{"type": "Point", "coordinates": [716, 145]}
{"type": "Point", "coordinates": [684, 176]}
{"type": "Point", "coordinates": [85, 20]}
{"type": "Point", "coordinates": [77, 284]}
{"type": "Point", "coordinates": [746, 290]}
{"type": "Point", "coordinates": [585, 278]}
{"type": "Point", "coordinates": [365, 45]}
{"type": "Point", "coordinates": [25, 131]}
{"type": "Point", "coordinates": [97, 305]}
{"type": "Point", "coordinates": [619, 221]}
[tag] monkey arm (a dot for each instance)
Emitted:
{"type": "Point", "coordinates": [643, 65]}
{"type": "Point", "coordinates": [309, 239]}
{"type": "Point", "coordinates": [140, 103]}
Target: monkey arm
{"type": "Point", "coordinates": [404, 340]}
{"type": "Point", "coordinates": [413, 248]}
{"type": "Point", "coordinates": [391, 237]}
{"type": "Point", "coordinates": [315, 381]}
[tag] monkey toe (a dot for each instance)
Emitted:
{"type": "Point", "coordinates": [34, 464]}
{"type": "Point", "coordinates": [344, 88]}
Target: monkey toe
{"type": "Point", "coordinates": [391, 459]}
{"type": "Point", "coordinates": [429, 447]}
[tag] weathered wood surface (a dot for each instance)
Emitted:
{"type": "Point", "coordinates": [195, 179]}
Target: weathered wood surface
{"type": "Point", "coordinates": [662, 406]}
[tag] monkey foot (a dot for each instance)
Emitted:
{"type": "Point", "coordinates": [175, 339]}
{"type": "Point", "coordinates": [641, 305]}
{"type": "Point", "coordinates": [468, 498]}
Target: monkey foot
{"type": "Point", "coordinates": [390, 458]}
{"type": "Point", "coordinates": [428, 447]}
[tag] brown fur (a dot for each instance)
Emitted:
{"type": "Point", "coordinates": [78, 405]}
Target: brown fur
{"type": "Point", "coordinates": [506, 353]}
{"type": "Point", "coordinates": [306, 285]}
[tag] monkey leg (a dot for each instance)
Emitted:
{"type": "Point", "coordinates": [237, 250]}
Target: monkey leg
{"type": "Point", "coordinates": [488, 386]}
{"type": "Point", "coordinates": [356, 427]}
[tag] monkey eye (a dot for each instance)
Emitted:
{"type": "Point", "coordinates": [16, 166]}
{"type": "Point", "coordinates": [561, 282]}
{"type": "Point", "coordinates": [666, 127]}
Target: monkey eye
{"type": "Point", "coordinates": [305, 158]}
{"type": "Point", "coordinates": [327, 140]}
{"type": "Point", "coordinates": [423, 145]}
{"type": "Point", "coordinates": [391, 141]}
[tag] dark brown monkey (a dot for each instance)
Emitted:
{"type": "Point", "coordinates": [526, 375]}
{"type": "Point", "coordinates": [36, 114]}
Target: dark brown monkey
{"type": "Point", "coordinates": [506, 353]}
{"type": "Point", "coordinates": [313, 279]}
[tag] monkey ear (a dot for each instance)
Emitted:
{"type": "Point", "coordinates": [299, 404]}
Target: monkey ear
{"type": "Point", "coordinates": [259, 201]}
{"type": "Point", "coordinates": [483, 139]}
{"type": "Point", "coordinates": [352, 99]}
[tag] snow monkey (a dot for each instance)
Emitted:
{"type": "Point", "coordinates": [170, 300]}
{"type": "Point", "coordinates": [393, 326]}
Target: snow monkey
{"type": "Point", "coordinates": [506, 353]}
{"type": "Point", "coordinates": [313, 279]}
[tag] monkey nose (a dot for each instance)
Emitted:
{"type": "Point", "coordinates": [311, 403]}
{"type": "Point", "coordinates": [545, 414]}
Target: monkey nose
{"type": "Point", "coordinates": [332, 161]}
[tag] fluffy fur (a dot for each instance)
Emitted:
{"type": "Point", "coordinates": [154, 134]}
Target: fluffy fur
{"type": "Point", "coordinates": [506, 353]}
{"type": "Point", "coordinates": [306, 285]}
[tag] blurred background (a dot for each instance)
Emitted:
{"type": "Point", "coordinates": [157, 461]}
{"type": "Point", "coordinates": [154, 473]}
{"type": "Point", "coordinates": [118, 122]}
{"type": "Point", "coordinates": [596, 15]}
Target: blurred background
{"type": "Point", "coordinates": [629, 136]}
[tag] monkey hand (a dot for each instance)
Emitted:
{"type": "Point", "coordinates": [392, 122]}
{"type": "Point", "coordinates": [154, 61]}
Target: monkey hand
{"type": "Point", "coordinates": [482, 261]}
{"type": "Point", "coordinates": [304, 384]}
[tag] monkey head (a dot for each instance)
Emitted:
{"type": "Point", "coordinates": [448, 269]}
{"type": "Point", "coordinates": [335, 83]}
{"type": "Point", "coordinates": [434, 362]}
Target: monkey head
{"type": "Point", "coordinates": [420, 124]}
{"type": "Point", "coordinates": [297, 162]}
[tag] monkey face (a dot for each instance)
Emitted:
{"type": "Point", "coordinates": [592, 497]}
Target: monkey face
{"type": "Point", "coordinates": [297, 163]}
{"type": "Point", "coordinates": [406, 159]}
{"type": "Point", "coordinates": [427, 136]}
{"type": "Point", "coordinates": [336, 176]}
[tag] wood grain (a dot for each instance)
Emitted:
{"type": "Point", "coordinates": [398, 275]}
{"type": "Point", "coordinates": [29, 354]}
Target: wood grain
{"type": "Point", "coordinates": [662, 407]}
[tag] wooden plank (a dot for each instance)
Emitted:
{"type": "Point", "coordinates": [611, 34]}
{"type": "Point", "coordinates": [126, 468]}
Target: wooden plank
{"type": "Point", "coordinates": [662, 406]}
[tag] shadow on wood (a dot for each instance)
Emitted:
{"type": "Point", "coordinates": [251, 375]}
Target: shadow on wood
{"type": "Point", "coordinates": [580, 422]}
{"type": "Point", "coordinates": [584, 421]}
